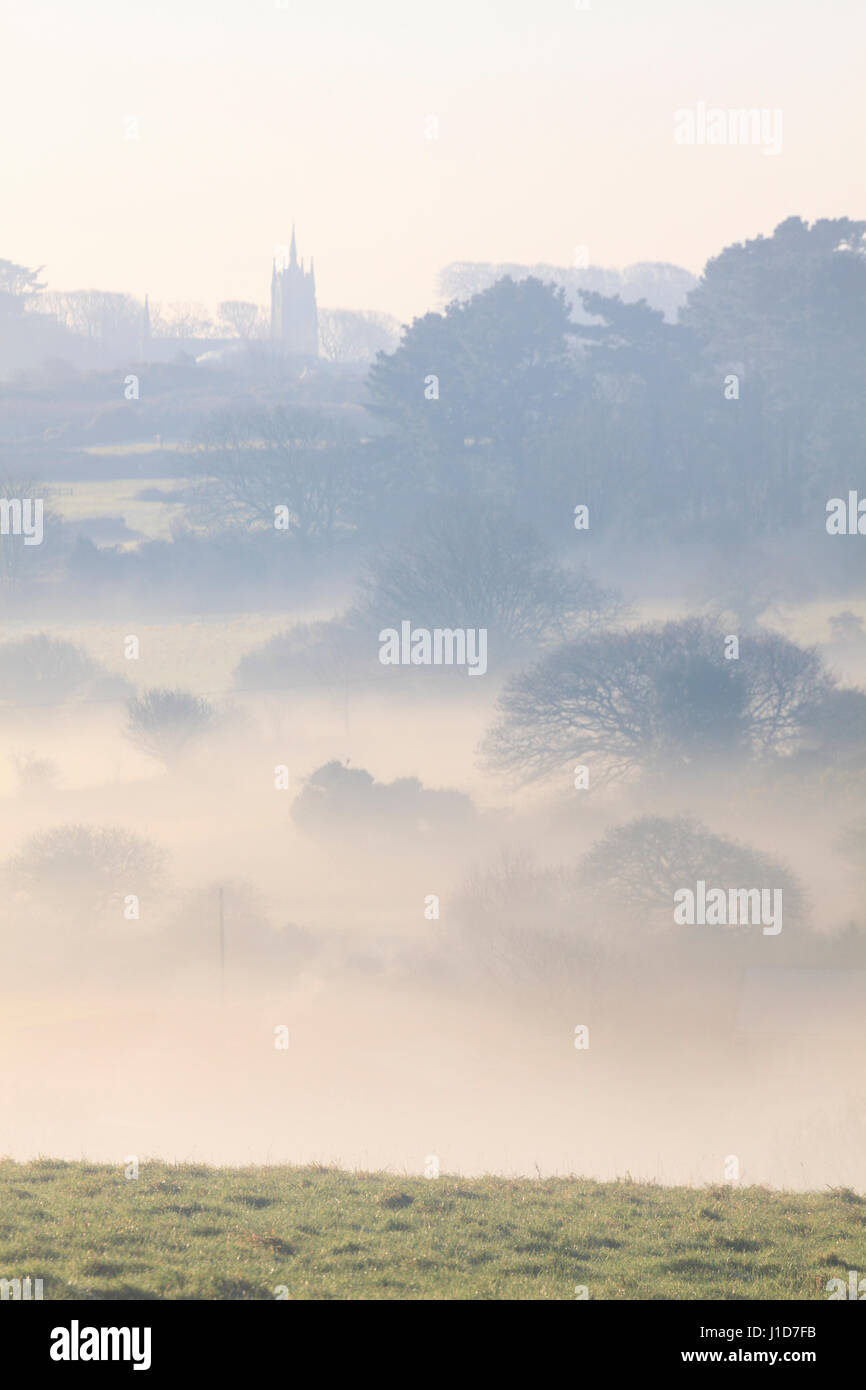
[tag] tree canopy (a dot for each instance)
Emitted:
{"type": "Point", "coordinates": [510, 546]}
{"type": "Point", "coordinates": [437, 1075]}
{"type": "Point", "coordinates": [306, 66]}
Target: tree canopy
{"type": "Point", "coordinates": [661, 696]}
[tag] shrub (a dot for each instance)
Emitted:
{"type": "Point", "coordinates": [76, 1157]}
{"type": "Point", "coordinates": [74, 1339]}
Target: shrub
{"type": "Point", "coordinates": [40, 669]}
{"type": "Point", "coordinates": [85, 867]}
{"type": "Point", "coordinates": [165, 723]}
{"type": "Point", "coordinates": [322, 653]}
{"type": "Point", "coordinates": [341, 798]}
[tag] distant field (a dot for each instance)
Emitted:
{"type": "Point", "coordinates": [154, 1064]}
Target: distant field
{"type": "Point", "coordinates": [138, 447]}
{"type": "Point", "coordinates": [202, 651]}
{"type": "Point", "coordinates": [189, 1232]}
{"type": "Point", "coordinates": [199, 653]}
{"type": "Point", "coordinates": [79, 501]}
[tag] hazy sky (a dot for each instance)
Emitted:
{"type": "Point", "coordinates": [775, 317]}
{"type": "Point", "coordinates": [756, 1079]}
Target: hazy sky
{"type": "Point", "coordinates": [555, 129]}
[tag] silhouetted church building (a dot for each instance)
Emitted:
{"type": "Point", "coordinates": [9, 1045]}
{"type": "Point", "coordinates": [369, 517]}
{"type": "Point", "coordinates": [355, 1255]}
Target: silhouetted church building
{"type": "Point", "coordinates": [294, 317]}
{"type": "Point", "coordinates": [294, 323]}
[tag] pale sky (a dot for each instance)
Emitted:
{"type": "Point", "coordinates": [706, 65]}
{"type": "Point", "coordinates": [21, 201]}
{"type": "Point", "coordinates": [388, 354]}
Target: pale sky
{"type": "Point", "coordinates": [555, 130]}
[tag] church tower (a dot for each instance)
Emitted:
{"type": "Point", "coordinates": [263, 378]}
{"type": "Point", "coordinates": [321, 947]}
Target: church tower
{"type": "Point", "coordinates": [294, 316]}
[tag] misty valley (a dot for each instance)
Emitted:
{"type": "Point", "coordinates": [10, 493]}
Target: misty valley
{"type": "Point", "coordinates": [432, 692]}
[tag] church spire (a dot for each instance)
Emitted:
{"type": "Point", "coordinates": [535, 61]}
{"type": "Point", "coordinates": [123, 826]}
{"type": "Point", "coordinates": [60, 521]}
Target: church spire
{"type": "Point", "coordinates": [144, 330]}
{"type": "Point", "coordinates": [294, 317]}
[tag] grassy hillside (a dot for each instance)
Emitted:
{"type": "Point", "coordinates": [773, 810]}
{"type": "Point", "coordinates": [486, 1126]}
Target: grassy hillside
{"type": "Point", "coordinates": [194, 1232]}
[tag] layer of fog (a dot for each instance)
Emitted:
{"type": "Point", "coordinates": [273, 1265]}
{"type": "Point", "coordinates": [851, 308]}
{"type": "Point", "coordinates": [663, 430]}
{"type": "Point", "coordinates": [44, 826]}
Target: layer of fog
{"type": "Point", "coordinates": [407, 1037]}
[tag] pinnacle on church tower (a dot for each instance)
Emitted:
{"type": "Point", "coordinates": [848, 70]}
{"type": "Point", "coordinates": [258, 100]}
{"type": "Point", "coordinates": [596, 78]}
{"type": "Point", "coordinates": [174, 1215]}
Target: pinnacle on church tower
{"type": "Point", "coordinates": [294, 316]}
{"type": "Point", "coordinates": [144, 330]}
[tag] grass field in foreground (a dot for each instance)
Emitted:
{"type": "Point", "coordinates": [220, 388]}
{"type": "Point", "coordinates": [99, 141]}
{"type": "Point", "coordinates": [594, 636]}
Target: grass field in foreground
{"type": "Point", "coordinates": [220, 1233]}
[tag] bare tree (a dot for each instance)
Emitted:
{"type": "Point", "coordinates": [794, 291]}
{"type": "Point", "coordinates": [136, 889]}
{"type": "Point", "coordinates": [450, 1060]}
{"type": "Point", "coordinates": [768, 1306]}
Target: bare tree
{"type": "Point", "coordinates": [473, 565]}
{"type": "Point", "coordinates": [660, 695]}
{"type": "Point", "coordinates": [87, 867]}
{"type": "Point", "coordinates": [640, 865]}
{"type": "Point", "coordinates": [356, 335]}
{"type": "Point", "coordinates": [38, 669]}
{"type": "Point", "coordinates": [165, 723]}
{"type": "Point", "coordinates": [253, 462]}
{"type": "Point", "coordinates": [244, 319]}
{"type": "Point", "coordinates": [37, 776]}
{"type": "Point", "coordinates": [99, 315]}
{"type": "Point", "coordinates": [181, 320]}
